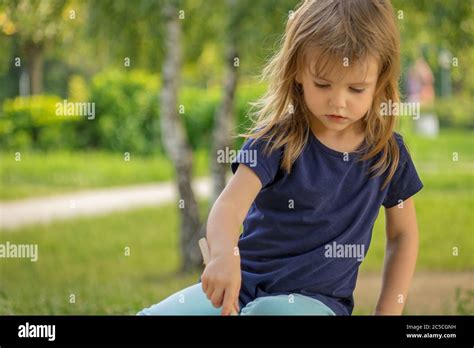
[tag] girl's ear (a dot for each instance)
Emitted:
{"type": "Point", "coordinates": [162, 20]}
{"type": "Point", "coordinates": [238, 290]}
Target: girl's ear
{"type": "Point", "coordinates": [298, 78]}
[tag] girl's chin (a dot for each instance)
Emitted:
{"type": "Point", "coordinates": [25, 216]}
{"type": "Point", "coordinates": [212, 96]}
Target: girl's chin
{"type": "Point", "coordinates": [337, 125]}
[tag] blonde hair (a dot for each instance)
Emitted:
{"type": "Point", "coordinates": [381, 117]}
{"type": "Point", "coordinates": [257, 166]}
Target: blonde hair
{"type": "Point", "coordinates": [337, 30]}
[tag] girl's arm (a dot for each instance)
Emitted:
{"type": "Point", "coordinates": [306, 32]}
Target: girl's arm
{"type": "Point", "coordinates": [230, 209]}
{"type": "Point", "coordinates": [221, 279]}
{"type": "Point", "coordinates": [400, 257]}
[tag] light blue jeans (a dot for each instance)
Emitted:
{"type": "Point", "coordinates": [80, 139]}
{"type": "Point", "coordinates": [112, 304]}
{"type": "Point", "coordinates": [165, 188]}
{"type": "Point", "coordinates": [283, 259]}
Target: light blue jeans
{"type": "Point", "coordinates": [193, 301]}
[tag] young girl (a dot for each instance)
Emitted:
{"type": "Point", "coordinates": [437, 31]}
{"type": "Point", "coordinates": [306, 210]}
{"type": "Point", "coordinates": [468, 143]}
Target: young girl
{"type": "Point", "coordinates": [324, 160]}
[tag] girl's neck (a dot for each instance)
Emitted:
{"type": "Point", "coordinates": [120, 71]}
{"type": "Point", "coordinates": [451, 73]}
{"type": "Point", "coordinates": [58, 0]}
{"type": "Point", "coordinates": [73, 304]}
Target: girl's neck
{"type": "Point", "coordinates": [346, 140]}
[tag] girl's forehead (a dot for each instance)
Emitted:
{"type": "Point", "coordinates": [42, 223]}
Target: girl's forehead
{"type": "Point", "coordinates": [337, 68]}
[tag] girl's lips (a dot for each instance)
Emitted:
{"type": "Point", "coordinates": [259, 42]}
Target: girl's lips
{"type": "Point", "coordinates": [336, 117]}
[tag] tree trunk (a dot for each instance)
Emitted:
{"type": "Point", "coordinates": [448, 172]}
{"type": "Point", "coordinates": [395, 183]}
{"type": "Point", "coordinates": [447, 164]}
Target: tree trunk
{"type": "Point", "coordinates": [34, 55]}
{"type": "Point", "coordinates": [223, 125]}
{"type": "Point", "coordinates": [175, 141]}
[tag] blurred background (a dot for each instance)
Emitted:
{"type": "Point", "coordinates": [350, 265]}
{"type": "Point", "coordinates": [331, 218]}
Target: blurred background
{"type": "Point", "coordinates": [114, 186]}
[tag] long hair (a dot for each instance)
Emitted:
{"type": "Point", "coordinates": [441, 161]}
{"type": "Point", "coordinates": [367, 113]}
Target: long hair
{"type": "Point", "coordinates": [336, 29]}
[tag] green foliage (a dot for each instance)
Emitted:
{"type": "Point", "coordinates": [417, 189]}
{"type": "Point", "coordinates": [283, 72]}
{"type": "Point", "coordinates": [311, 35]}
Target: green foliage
{"type": "Point", "coordinates": [246, 94]}
{"type": "Point", "coordinates": [455, 112]}
{"type": "Point", "coordinates": [33, 121]}
{"type": "Point", "coordinates": [121, 28]}
{"type": "Point", "coordinates": [126, 115]}
{"type": "Point", "coordinates": [427, 26]}
{"type": "Point", "coordinates": [38, 110]}
{"type": "Point", "coordinates": [200, 106]}
{"type": "Point", "coordinates": [464, 301]}
{"type": "Point", "coordinates": [126, 105]}
{"type": "Point", "coordinates": [36, 22]}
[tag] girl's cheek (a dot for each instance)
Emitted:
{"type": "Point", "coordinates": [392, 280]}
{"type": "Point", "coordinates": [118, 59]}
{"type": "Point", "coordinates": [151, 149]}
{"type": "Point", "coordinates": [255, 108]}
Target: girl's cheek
{"type": "Point", "coordinates": [315, 97]}
{"type": "Point", "coordinates": [363, 105]}
{"type": "Point", "coordinates": [363, 99]}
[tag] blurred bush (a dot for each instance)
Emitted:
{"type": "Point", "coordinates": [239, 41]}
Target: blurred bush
{"type": "Point", "coordinates": [126, 115]}
{"type": "Point", "coordinates": [126, 106]}
{"type": "Point", "coordinates": [455, 112]}
{"type": "Point", "coordinates": [246, 94]}
{"type": "Point", "coordinates": [199, 106]}
{"type": "Point", "coordinates": [32, 122]}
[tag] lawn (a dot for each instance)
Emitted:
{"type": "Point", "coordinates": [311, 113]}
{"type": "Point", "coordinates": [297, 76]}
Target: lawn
{"type": "Point", "coordinates": [39, 174]}
{"type": "Point", "coordinates": [86, 257]}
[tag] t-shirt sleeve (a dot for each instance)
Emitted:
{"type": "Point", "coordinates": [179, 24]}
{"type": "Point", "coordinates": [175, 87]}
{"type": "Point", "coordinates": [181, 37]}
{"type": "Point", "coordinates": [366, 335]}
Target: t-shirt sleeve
{"type": "Point", "coordinates": [253, 154]}
{"type": "Point", "coordinates": [405, 182]}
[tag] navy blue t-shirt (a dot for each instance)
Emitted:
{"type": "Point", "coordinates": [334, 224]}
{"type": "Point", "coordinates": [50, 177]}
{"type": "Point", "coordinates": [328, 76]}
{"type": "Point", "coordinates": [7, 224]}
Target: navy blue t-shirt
{"type": "Point", "coordinates": [307, 232]}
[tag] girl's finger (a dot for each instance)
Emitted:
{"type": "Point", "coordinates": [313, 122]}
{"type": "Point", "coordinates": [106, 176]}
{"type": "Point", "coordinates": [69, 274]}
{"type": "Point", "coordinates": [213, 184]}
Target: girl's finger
{"type": "Point", "coordinates": [204, 285]}
{"type": "Point", "coordinates": [228, 306]}
{"type": "Point", "coordinates": [209, 291]}
{"type": "Point", "coordinates": [236, 305]}
{"type": "Point", "coordinates": [216, 297]}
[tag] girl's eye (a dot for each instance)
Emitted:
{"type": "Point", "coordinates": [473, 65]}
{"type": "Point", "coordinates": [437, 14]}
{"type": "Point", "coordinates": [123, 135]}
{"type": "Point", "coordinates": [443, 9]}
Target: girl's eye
{"type": "Point", "coordinates": [357, 90]}
{"type": "Point", "coordinates": [354, 90]}
{"type": "Point", "coordinates": [320, 85]}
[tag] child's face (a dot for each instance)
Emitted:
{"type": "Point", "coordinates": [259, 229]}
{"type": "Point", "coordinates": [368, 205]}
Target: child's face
{"type": "Point", "coordinates": [349, 97]}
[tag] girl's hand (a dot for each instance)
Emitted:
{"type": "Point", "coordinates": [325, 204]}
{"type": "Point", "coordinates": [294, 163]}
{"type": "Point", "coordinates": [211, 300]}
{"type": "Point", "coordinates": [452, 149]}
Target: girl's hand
{"type": "Point", "coordinates": [221, 281]}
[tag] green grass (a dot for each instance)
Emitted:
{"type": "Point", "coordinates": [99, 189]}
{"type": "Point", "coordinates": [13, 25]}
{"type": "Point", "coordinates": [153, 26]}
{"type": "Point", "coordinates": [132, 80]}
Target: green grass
{"type": "Point", "coordinates": [439, 151]}
{"type": "Point", "coordinates": [39, 174]}
{"type": "Point", "coordinates": [445, 221]}
{"type": "Point", "coordinates": [86, 257]}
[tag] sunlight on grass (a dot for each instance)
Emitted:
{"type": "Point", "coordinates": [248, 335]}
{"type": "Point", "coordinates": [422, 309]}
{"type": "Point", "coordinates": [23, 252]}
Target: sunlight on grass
{"type": "Point", "coordinates": [40, 174]}
{"type": "Point", "coordinates": [86, 257]}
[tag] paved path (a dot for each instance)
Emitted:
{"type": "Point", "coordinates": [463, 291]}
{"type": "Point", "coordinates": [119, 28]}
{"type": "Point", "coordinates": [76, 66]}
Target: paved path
{"type": "Point", "coordinates": [15, 214]}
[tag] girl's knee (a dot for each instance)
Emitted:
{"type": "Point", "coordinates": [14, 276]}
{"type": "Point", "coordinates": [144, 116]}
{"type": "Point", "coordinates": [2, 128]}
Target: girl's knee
{"type": "Point", "coordinates": [268, 305]}
{"type": "Point", "coordinates": [189, 301]}
{"type": "Point", "coordinates": [292, 304]}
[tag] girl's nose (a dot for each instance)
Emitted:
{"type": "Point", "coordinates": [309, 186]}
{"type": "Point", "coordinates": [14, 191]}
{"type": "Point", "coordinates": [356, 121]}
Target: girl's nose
{"type": "Point", "coordinates": [337, 100]}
